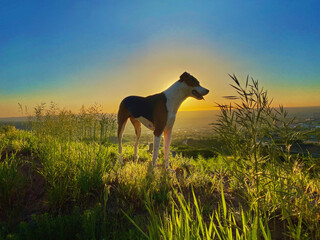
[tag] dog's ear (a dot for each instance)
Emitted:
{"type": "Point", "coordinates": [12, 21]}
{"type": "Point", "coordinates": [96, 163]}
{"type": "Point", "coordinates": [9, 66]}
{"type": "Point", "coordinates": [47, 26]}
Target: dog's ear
{"type": "Point", "coordinates": [189, 79]}
{"type": "Point", "coordinates": [184, 76]}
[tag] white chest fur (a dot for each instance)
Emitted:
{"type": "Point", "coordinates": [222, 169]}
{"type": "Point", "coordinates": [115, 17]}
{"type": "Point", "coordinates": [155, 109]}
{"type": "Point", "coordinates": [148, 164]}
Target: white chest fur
{"type": "Point", "coordinates": [175, 95]}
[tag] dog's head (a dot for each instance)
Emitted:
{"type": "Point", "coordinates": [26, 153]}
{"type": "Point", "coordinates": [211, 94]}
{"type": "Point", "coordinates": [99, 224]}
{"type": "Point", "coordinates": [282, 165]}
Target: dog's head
{"type": "Point", "coordinates": [193, 85]}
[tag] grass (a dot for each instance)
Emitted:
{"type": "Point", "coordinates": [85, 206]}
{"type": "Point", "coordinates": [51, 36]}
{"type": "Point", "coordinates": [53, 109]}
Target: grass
{"type": "Point", "coordinates": [61, 180]}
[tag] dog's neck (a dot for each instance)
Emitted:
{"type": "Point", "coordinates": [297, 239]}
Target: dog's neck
{"type": "Point", "coordinates": [175, 95]}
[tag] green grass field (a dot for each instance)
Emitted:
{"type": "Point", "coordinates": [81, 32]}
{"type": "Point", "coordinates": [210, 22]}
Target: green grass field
{"type": "Point", "coordinates": [61, 180]}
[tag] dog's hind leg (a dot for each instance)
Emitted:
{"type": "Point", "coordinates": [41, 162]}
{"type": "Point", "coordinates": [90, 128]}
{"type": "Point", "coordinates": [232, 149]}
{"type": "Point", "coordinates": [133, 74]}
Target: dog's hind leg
{"type": "Point", "coordinates": [120, 134]}
{"type": "Point", "coordinates": [137, 128]}
{"type": "Point", "coordinates": [123, 116]}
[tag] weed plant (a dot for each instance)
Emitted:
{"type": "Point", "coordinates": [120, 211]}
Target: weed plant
{"type": "Point", "coordinates": [259, 138]}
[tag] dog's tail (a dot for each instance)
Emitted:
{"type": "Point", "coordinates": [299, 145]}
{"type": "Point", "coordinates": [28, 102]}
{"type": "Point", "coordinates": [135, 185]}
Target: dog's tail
{"type": "Point", "coordinates": [123, 115]}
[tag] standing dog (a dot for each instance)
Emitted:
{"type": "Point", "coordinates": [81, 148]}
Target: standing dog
{"type": "Point", "coordinates": [158, 113]}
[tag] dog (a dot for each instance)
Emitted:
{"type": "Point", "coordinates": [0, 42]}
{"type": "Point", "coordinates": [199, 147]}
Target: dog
{"type": "Point", "coordinates": [158, 113]}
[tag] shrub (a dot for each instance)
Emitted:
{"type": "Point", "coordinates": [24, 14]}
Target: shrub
{"type": "Point", "coordinates": [6, 129]}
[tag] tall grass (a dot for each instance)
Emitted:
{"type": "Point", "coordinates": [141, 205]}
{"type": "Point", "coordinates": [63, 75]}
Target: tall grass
{"type": "Point", "coordinates": [185, 219]}
{"type": "Point", "coordinates": [90, 124]}
{"type": "Point", "coordinates": [12, 188]}
{"type": "Point", "coordinates": [74, 152]}
{"type": "Point", "coordinates": [73, 171]}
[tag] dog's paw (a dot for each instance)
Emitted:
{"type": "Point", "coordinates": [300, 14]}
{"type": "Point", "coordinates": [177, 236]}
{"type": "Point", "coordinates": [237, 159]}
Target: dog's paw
{"type": "Point", "coordinates": [120, 161]}
{"type": "Point", "coordinates": [170, 170]}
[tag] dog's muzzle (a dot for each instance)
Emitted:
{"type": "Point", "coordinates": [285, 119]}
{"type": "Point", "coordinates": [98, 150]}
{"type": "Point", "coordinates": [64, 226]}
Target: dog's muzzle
{"type": "Point", "coordinates": [199, 92]}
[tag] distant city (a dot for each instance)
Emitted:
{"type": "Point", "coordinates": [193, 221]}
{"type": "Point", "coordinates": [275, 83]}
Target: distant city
{"type": "Point", "coordinates": [199, 122]}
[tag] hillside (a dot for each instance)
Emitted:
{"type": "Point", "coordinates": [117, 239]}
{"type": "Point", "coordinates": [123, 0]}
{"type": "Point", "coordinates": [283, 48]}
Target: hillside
{"type": "Point", "coordinates": [50, 188]}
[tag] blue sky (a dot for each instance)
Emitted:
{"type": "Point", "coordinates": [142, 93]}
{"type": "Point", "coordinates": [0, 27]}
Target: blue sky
{"type": "Point", "coordinates": [68, 51]}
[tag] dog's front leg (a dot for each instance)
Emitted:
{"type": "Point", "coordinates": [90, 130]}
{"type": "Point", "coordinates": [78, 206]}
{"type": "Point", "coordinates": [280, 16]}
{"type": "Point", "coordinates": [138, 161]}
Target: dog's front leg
{"type": "Point", "coordinates": [156, 145]}
{"type": "Point", "coordinates": [167, 140]}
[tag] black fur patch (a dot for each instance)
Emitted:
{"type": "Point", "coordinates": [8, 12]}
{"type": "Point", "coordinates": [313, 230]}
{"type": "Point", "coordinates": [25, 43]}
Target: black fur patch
{"type": "Point", "coordinates": [143, 106]}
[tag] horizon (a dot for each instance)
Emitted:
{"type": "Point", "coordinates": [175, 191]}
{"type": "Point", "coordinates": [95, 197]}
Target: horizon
{"type": "Point", "coordinates": [291, 110]}
{"type": "Point", "coordinates": [75, 111]}
{"type": "Point", "coordinates": [81, 53]}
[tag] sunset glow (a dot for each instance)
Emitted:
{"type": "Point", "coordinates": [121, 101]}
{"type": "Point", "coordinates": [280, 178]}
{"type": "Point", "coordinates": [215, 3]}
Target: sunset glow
{"type": "Point", "coordinates": [81, 53]}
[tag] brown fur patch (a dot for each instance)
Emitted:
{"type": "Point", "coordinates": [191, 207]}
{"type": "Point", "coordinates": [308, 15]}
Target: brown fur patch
{"type": "Point", "coordinates": [160, 118]}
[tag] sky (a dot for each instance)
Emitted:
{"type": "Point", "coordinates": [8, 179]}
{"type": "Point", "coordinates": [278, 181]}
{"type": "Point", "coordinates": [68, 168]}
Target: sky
{"type": "Point", "coordinates": [78, 53]}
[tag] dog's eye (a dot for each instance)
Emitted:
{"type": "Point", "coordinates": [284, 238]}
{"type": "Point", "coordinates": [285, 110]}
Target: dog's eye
{"type": "Point", "coordinates": [196, 83]}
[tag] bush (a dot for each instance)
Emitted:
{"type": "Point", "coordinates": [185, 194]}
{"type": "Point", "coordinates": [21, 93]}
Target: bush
{"type": "Point", "coordinates": [7, 129]}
